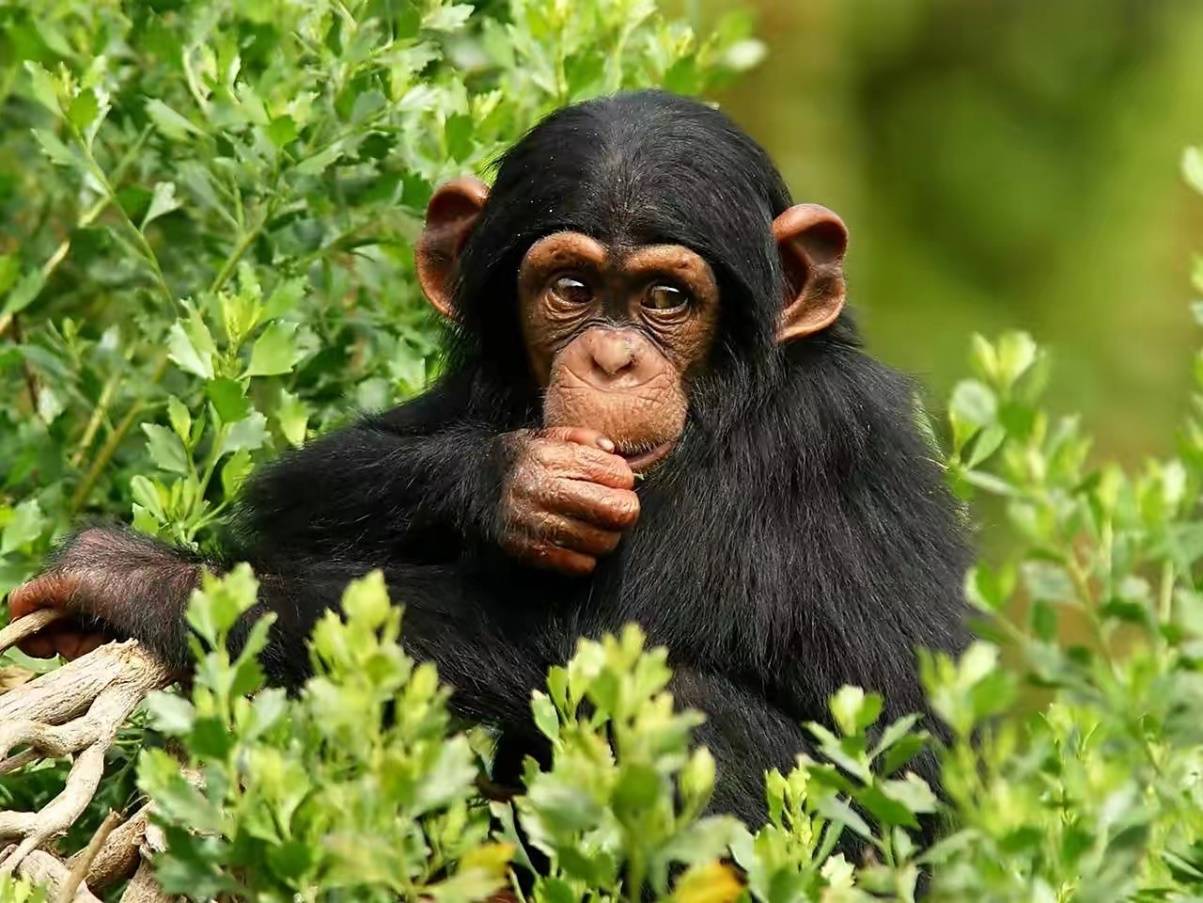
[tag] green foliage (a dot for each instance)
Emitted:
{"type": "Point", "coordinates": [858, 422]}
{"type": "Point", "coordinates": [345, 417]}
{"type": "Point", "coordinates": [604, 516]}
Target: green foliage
{"type": "Point", "coordinates": [622, 802]}
{"type": "Point", "coordinates": [327, 791]}
{"type": "Point", "coordinates": [13, 891]}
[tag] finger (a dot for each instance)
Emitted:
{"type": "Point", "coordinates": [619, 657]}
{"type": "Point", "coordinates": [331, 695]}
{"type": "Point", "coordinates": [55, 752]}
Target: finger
{"type": "Point", "coordinates": [611, 509]}
{"type": "Point", "coordinates": [575, 534]}
{"type": "Point", "coordinates": [52, 641]}
{"type": "Point", "coordinates": [580, 462]}
{"type": "Point", "coordinates": [580, 435]}
{"type": "Point", "coordinates": [40, 645]}
{"type": "Point", "coordinates": [542, 554]}
{"type": "Point", "coordinates": [73, 645]}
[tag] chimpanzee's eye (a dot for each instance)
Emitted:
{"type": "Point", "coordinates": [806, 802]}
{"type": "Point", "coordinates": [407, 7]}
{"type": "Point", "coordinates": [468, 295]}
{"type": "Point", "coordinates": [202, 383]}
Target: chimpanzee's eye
{"type": "Point", "coordinates": [572, 290]}
{"type": "Point", "coordinates": [664, 297]}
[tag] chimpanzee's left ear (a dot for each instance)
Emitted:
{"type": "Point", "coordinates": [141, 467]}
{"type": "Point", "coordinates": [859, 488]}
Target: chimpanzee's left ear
{"type": "Point", "coordinates": [812, 241]}
{"type": "Point", "coordinates": [450, 216]}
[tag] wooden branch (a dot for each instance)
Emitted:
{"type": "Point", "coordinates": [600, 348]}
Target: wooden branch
{"type": "Point", "coordinates": [75, 711]}
{"type": "Point", "coordinates": [27, 626]}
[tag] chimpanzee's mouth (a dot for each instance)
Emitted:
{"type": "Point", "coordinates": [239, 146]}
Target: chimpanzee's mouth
{"type": "Point", "coordinates": [643, 457]}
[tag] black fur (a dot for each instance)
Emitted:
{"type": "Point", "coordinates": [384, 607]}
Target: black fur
{"type": "Point", "coordinates": [799, 538]}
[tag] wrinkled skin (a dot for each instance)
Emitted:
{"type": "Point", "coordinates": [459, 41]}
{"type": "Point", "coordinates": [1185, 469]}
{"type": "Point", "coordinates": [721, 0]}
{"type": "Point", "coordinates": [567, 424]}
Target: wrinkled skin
{"type": "Point", "coordinates": [567, 499]}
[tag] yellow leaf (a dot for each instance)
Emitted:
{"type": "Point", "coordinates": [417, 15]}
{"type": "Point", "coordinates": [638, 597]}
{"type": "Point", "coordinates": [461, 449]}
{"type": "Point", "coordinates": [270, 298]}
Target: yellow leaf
{"type": "Point", "coordinates": [710, 882]}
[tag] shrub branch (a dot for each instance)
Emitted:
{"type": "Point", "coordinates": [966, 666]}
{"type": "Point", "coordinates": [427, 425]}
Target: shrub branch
{"type": "Point", "coordinates": [75, 711]}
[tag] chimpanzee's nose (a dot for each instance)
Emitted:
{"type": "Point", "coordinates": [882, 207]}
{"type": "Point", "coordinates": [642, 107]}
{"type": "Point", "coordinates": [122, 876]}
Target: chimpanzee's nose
{"type": "Point", "coordinates": [613, 352]}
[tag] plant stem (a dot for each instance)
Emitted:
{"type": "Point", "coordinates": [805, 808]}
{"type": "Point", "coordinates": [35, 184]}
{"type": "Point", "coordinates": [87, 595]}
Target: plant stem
{"type": "Point", "coordinates": [105, 455]}
{"type": "Point", "coordinates": [102, 407]}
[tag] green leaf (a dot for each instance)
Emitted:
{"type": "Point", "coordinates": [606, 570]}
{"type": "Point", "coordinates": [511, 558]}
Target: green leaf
{"type": "Point", "coordinates": [284, 297]}
{"type": "Point", "coordinates": [25, 525]}
{"type": "Point", "coordinates": [83, 109]}
{"type": "Point", "coordinates": [170, 713]}
{"type": "Point", "coordinates": [162, 202]}
{"type": "Point", "coordinates": [250, 434]}
{"type": "Point", "coordinates": [452, 776]}
{"type": "Point", "coordinates": [318, 163]}
{"type": "Point", "coordinates": [54, 149]}
{"type": "Point", "coordinates": [853, 710]}
{"type": "Point", "coordinates": [24, 292]}
{"type": "Point", "coordinates": [1048, 582]}
{"type": "Point", "coordinates": [546, 718]}
{"type": "Point", "coordinates": [452, 17]}
{"type": "Point", "coordinates": [293, 416]}
{"type": "Point", "coordinates": [183, 350]}
{"type": "Point", "coordinates": [282, 131]}
{"type": "Point", "coordinates": [839, 811]}
{"type": "Point", "coordinates": [165, 448]}
{"type": "Point", "coordinates": [145, 493]}
{"type": "Point", "coordinates": [275, 351]}
{"type": "Point", "coordinates": [229, 399]}
{"type": "Point", "coordinates": [973, 403]}
{"type": "Point", "coordinates": [170, 123]}
{"type": "Point", "coordinates": [45, 88]}
{"type": "Point", "coordinates": [637, 789]}
{"type": "Point", "coordinates": [179, 417]}
{"type": "Point", "coordinates": [235, 471]}
{"type": "Point", "coordinates": [10, 268]}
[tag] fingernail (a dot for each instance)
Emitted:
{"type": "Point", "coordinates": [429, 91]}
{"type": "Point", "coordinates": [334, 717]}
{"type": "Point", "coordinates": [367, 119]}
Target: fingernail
{"type": "Point", "coordinates": [605, 444]}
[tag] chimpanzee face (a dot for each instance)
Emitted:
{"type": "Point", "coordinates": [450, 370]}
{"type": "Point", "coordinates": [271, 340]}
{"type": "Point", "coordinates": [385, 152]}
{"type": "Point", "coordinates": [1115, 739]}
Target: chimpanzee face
{"type": "Point", "coordinates": [612, 332]}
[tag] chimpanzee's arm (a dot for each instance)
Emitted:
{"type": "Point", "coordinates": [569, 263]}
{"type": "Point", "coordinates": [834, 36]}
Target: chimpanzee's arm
{"type": "Point", "coordinates": [405, 483]}
{"type": "Point", "coordinates": [390, 485]}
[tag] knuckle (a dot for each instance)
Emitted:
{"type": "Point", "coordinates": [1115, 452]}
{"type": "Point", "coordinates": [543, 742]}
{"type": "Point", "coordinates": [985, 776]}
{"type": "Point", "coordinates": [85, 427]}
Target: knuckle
{"type": "Point", "coordinates": [543, 453]}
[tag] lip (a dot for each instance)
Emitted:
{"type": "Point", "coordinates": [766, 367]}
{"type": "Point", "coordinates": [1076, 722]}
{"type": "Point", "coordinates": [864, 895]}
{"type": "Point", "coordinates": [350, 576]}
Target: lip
{"type": "Point", "coordinates": [645, 460]}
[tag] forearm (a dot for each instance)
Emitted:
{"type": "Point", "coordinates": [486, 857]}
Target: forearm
{"type": "Point", "coordinates": [367, 491]}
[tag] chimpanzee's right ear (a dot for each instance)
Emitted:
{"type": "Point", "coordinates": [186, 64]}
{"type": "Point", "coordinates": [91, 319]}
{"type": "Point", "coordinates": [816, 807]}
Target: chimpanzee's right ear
{"type": "Point", "coordinates": [450, 216]}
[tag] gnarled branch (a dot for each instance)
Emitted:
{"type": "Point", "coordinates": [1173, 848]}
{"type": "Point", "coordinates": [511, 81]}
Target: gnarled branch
{"type": "Point", "coordinates": [74, 711]}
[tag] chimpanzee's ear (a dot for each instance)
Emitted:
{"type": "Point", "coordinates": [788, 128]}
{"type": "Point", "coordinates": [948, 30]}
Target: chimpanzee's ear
{"type": "Point", "coordinates": [450, 216]}
{"type": "Point", "coordinates": [812, 241]}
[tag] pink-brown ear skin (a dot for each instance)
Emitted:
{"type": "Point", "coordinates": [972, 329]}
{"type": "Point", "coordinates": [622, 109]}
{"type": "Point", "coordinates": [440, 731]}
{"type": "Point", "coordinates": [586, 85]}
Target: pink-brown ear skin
{"type": "Point", "coordinates": [450, 216]}
{"type": "Point", "coordinates": [812, 241]}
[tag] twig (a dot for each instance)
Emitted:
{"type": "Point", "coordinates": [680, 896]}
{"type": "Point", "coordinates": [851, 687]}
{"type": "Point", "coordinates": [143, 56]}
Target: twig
{"type": "Point", "coordinates": [32, 623]}
{"type": "Point", "coordinates": [81, 864]}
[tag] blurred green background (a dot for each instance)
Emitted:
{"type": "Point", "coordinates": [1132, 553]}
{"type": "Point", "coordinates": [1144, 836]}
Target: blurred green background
{"type": "Point", "coordinates": [1003, 163]}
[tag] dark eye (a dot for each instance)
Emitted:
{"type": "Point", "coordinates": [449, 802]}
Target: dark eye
{"type": "Point", "coordinates": [572, 290]}
{"type": "Point", "coordinates": [665, 297]}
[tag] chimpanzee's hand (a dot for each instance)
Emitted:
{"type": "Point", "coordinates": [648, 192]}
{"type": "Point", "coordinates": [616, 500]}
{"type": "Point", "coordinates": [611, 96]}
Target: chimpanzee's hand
{"type": "Point", "coordinates": [56, 589]}
{"type": "Point", "coordinates": [566, 500]}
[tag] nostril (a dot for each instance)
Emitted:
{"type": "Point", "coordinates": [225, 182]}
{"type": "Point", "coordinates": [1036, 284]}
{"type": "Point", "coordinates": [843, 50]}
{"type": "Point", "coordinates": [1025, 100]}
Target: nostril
{"type": "Point", "coordinates": [613, 356]}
